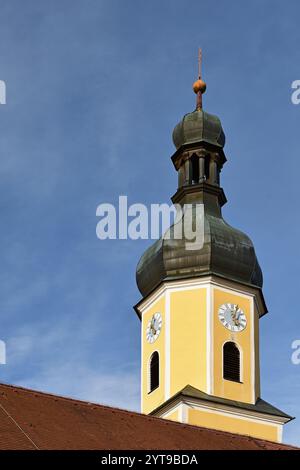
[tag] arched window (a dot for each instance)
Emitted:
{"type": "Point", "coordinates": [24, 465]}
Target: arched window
{"type": "Point", "coordinates": [207, 169]}
{"type": "Point", "coordinates": [154, 371]}
{"type": "Point", "coordinates": [195, 169]}
{"type": "Point", "coordinates": [231, 362]}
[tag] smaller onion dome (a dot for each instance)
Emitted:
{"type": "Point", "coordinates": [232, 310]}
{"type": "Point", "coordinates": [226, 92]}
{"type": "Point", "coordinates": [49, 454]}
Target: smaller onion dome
{"type": "Point", "coordinates": [199, 126]}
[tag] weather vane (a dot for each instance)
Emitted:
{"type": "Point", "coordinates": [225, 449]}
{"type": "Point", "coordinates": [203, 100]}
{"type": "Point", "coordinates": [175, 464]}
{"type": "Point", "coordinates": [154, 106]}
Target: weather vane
{"type": "Point", "coordinates": [199, 86]}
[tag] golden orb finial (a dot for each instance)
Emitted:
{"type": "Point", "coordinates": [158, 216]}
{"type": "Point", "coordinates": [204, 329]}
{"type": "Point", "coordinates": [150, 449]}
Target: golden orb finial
{"type": "Point", "coordinates": [199, 86]}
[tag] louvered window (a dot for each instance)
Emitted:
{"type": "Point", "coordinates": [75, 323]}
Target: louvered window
{"type": "Point", "coordinates": [154, 371]}
{"type": "Point", "coordinates": [231, 362]}
{"type": "Point", "coordinates": [195, 169]}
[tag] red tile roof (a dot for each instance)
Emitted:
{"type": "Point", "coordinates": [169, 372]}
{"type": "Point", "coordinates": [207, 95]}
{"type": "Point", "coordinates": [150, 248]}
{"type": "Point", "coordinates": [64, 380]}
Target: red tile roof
{"type": "Point", "coordinates": [36, 420]}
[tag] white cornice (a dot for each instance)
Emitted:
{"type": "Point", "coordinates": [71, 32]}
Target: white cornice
{"type": "Point", "coordinates": [222, 409]}
{"type": "Point", "coordinates": [194, 283]}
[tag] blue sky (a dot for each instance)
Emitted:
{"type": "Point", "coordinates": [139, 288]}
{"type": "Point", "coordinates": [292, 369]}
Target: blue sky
{"type": "Point", "coordinates": [94, 89]}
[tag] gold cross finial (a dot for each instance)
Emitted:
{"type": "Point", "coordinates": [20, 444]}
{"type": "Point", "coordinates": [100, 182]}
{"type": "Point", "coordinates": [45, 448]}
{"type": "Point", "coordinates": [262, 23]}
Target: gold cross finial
{"type": "Point", "coordinates": [199, 62]}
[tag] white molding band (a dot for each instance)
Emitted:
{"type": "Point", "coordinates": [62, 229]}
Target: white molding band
{"type": "Point", "coordinates": [222, 410]}
{"type": "Point", "coordinates": [167, 347]}
{"type": "Point", "coordinates": [252, 355]}
{"type": "Point", "coordinates": [146, 303]}
{"type": "Point", "coordinates": [142, 366]}
{"type": "Point", "coordinates": [209, 341]}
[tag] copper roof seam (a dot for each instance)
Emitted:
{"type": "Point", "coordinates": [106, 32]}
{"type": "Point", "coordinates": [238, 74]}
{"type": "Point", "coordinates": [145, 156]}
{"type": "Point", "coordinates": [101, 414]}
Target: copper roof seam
{"type": "Point", "coordinates": [19, 427]}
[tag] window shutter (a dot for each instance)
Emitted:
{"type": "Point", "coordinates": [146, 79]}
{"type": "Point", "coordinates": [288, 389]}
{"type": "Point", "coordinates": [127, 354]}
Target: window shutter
{"type": "Point", "coordinates": [154, 371]}
{"type": "Point", "coordinates": [231, 362]}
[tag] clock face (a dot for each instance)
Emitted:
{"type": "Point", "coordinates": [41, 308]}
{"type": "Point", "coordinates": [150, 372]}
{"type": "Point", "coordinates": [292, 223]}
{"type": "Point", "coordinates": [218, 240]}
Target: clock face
{"type": "Point", "coordinates": [232, 317]}
{"type": "Point", "coordinates": [154, 328]}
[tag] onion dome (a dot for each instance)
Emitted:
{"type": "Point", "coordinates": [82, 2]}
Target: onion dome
{"type": "Point", "coordinates": [199, 126]}
{"type": "Point", "coordinates": [226, 252]}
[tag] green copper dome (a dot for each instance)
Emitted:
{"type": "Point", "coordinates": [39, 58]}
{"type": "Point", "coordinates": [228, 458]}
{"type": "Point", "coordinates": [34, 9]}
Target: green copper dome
{"type": "Point", "coordinates": [226, 252]}
{"type": "Point", "coordinates": [199, 126]}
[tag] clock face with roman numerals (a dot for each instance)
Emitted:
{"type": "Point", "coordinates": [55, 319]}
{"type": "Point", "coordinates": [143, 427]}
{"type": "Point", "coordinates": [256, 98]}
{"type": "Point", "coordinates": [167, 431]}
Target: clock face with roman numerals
{"type": "Point", "coordinates": [154, 328]}
{"type": "Point", "coordinates": [232, 317]}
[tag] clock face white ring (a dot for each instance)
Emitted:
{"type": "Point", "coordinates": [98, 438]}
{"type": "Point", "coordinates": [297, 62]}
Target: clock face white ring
{"type": "Point", "coordinates": [154, 328]}
{"type": "Point", "coordinates": [232, 317]}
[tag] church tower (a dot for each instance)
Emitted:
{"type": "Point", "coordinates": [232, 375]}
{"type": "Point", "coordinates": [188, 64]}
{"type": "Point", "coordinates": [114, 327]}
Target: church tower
{"type": "Point", "coordinates": [201, 307]}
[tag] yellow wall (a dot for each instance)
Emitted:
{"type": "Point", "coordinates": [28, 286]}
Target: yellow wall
{"type": "Point", "coordinates": [226, 388]}
{"type": "Point", "coordinates": [154, 399]}
{"type": "Point", "coordinates": [188, 339]}
{"type": "Point", "coordinates": [190, 322]}
{"type": "Point", "coordinates": [231, 424]}
{"type": "Point", "coordinates": [173, 416]}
